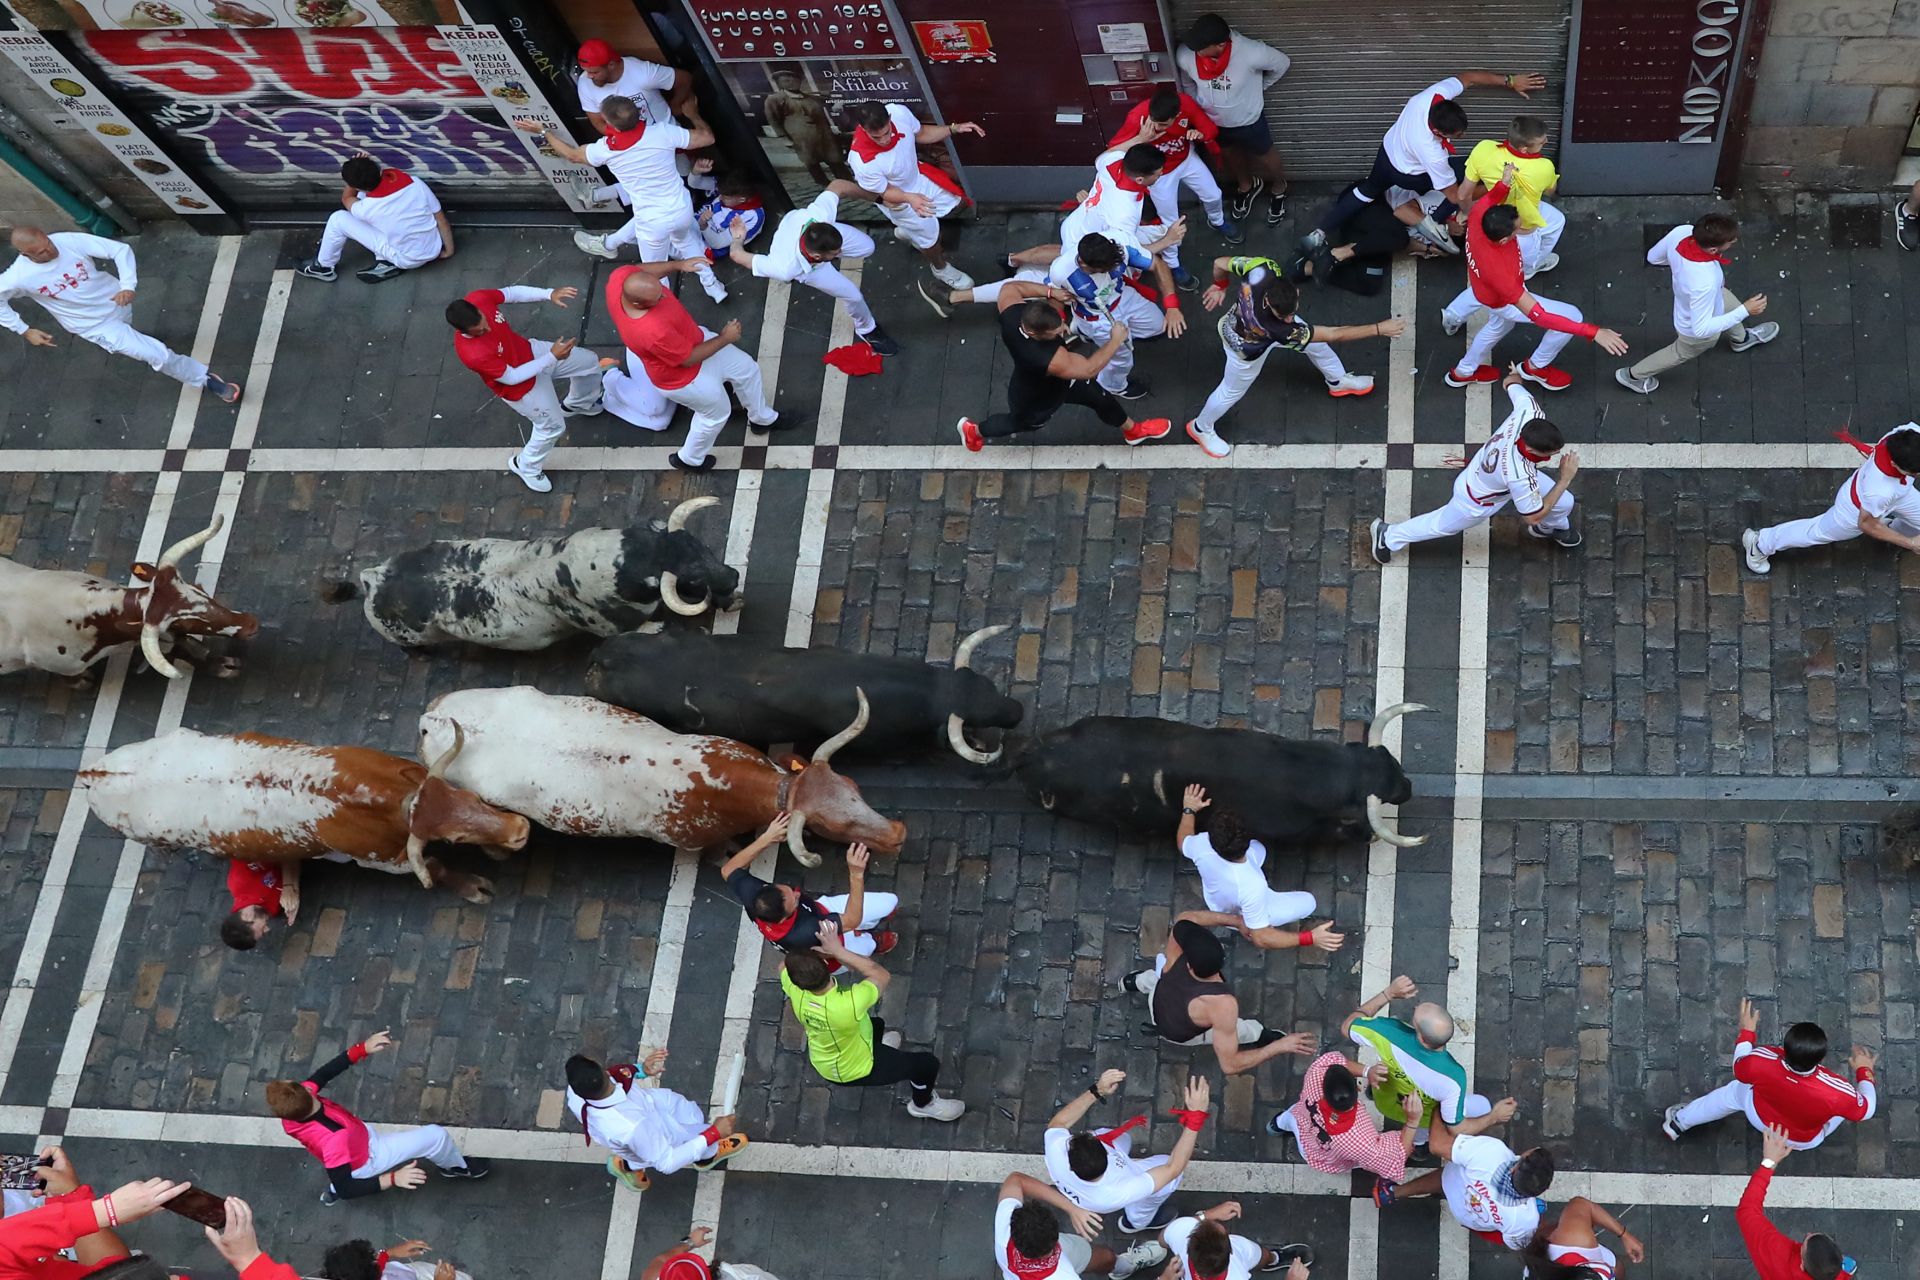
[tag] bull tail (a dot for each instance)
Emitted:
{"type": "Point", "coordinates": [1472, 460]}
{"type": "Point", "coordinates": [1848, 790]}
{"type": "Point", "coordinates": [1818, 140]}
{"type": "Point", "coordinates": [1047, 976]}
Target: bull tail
{"type": "Point", "coordinates": [339, 591]}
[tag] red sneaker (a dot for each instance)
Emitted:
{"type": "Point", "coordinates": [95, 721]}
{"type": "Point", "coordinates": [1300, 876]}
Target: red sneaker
{"type": "Point", "coordinates": [970, 435]}
{"type": "Point", "coordinates": [1485, 373]}
{"type": "Point", "coordinates": [1550, 378]}
{"type": "Point", "coordinates": [1151, 429]}
{"type": "Point", "coordinates": [884, 941]}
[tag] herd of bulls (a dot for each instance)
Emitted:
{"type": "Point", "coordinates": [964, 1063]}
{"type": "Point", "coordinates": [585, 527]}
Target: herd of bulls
{"type": "Point", "coordinates": [671, 746]}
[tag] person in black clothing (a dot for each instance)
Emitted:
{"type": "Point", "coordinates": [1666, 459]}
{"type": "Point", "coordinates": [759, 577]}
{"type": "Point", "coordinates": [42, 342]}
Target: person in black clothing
{"type": "Point", "coordinates": [790, 918]}
{"type": "Point", "coordinates": [1192, 1003]}
{"type": "Point", "coordinates": [1046, 375]}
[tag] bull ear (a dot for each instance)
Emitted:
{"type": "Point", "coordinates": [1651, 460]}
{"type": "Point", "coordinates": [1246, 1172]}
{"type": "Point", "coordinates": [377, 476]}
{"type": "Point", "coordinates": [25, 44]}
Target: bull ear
{"type": "Point", "coordinates": [144, 571]}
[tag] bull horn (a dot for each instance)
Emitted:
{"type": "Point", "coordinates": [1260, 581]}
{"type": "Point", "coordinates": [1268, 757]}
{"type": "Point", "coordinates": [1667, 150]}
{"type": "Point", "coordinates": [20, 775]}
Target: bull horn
{"type": "Point", "coordinates": [416, 849]}
{"type": "Point", "coordinates": [670, 591]}
{"type": "Point", "coordinates": [438, 769]}
{"type": "Point", "coordinates": [826, 749]}
{"type": "Point", "coordinates": [189, 544]}
{"type": "Point", "coordinates": [797, 840]}
{"type": "Point", "coordinates": [964, 654]}
{"type": "Point", "coordinates": [957, 738]}
{"type": "Point", "coordinates": [678, 519]}
{"type": "Point", "coordinates": [150, 646]}
{"type": "Point", "coordinates": [1387, 717]}
{"type": "Point", "coordinates": [1383, 831]}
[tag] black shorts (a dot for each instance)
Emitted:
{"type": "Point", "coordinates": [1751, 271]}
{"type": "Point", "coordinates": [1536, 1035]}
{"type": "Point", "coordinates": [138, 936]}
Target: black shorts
{"type": "Point", "coordinates": [1255, 139]}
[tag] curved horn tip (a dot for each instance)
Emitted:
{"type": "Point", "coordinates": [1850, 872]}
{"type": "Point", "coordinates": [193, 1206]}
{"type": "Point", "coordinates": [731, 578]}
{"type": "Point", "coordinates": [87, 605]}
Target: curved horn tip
{"type": "Point", "coordinates": [438, 767]}
{"type": "Point", "coordinates": [963, 654]}
{"type": "Point", "coordinates": [677, 519]}
{"type": "Point", "coordinates": [670, 596]}
{"type": "Point", "coordinates": [957, 739]}
{"type": "Point", "coordinates": [150, 649]}
{"type": "Point", "coordinates": [797, 840]}
{"type": "Point", "coordinates": [824, 752]}
{"type": "Point", "coordinates": [192, 542]}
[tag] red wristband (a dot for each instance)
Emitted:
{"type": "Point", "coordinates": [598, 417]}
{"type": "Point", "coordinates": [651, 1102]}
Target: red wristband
{"type": "Point", "coordinates": [1306, 937]}
{"type": "Point", "coordinates": [357, 1052]}
{"type": "Point", "coordinates": [1194, 1120]}
{"type": "Point", "coordinates": [712, 1135]}
{"type": "Point", "coordinates": [113, 1219]}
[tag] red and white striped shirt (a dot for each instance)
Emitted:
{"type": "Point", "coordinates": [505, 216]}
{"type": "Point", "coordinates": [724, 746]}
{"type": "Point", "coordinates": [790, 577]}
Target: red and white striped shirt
{"type": "Point", "coordinates": [1803, 1103]}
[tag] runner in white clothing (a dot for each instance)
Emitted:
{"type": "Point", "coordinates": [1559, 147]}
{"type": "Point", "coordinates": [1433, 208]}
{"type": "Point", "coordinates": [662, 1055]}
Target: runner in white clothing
{"type": "Point", "coordinates": [807, 246]}
{"type": "Point", "coordinates": [1027, 1243]}
{"type": "Point", "coordinates": [914, 196]}
{"type": "Point", "coordinates": [646, 1127]}
{"type": "Point", "coordinates": [1232, 881]}
{"type": "Point", "coordinates": [1506, 469]}
{"type": "Point", "coordinates": [642, 157]}
{"type": "Point", "coordinates": [1092, 1168]}
{"type": "Point", "coordinates": [1206, 1250]}
{"type": "Point", "coordinates": [58, 272]}
{"type": "Point", "coordinates": [1879, 500]}
{"type": "Point", "coordinates": [391, 213]}
{"type": "Point", "coordinates": [1491, 1190]}
{"type": "Point", "coordinates": [1117, 199]}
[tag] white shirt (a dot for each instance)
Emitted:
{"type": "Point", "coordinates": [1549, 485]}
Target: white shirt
{"type": "Point", "coordinates": [1063, 1269]}
{"type": "Point", "coordinates": [647, 83]}
{"type": "Point", "coordinates": [1235, 888]}
{"type": "Point", "coordinates": [648, 1127]}
{"type": "Point", "coordinates": [75, 292]}
{"type": "Point", "coordinates": [783, 259]}
{"type": "Point", "coordinates": [1696, 289]}
{"type": "Point", "coordinates": [1596, 1257]}
{"type": "Point", "coordinates": [1238, 95]}
{"type": "Point", "coordinates": [1883, 496]}
{"type": "Point", "coordinates": [1122, 1184]}
{"type": "Point", "coordinates": [644, 162]}
{"type": "Point", "coordinates": [899, 164]}
{"type": "Point", "coordinates": [405, 215]}
{"type": "Point", "coordinates": [1110, 209]}
{"type": "Point", "coordinates": [1499, 469]}
{"type": "Point", "coordinates": [1411, 146]}
{"type": "Point", "coordinates": [1244, 1254]}
{"type": "Point", "coordinates": [1468, 1182]}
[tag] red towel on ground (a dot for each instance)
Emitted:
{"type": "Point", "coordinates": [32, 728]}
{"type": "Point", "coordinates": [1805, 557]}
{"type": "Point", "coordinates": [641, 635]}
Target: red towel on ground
{"type": "Point", "coordinates": [854, 359]}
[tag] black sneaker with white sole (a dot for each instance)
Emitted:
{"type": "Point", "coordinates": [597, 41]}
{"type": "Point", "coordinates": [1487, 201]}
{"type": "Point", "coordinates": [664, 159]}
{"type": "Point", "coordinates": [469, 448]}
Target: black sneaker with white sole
{"type": "Point", "coordinates": [1240, 203]}
{"type": "Point", "coordinates": [679, 463]}
{"type": "Point", "coordinates": [312, 270]}
{"type": "Point", "coordinates": [1377, 535]}
{"type": "Point", "coordinates": [881, 342]}
{"type": "Point", "coordinates": [1286, 1255]}
{"type": "Point", "coordinates": [1160, 1220]}
{"type": "Point", "coordinates": [935, 296]}
{"type": "Point", "coordinates": [1137, 388]}
{"type": "Point", "coordinates": [379, 271]}
{"type": "Point", "coordinates": [474, 1169]}
{"type": "Point", "coordinates": [1130, 983]}
{"type": "Point", "coordinates": [1276, 208]}
{"type": "Point", "coordinates": [1906, 226]}
{"type": "Point", "coordinates": [1567, 537]}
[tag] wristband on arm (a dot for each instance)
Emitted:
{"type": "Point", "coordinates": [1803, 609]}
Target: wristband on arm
{"type": "Point", "coordinates": [1306, 937]}
{"type": "Point", "coordinates": [356, 1053]}
{"type": "Point", "coordinates": [1561, 324]}
{"type": "Point", "coordinates": [1193, 1120]}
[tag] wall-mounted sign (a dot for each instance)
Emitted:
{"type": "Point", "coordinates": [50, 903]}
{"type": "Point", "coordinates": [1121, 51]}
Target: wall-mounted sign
{"type": "Point", "coordinates": [1124, 37]}
{"type": "Point", "coordinates": [491, 63]}
{"type": "Point", "coordinates": [952, 40]}
{"type": "Point", "coordinates": [859, 30]}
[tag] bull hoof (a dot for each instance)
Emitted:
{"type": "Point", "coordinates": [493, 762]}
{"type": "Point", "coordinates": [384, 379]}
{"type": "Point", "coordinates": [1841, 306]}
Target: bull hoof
{"type": "Point", "coordinates": [225, 669]}
{"type": "Point", "coordinates": [498, 852]}
{"type": "Point", "coordinates": [651, 628]}
{"type": "Point", "coordinates": [479, 891]}
{"type": "Point", "coordinates": [808, 859]}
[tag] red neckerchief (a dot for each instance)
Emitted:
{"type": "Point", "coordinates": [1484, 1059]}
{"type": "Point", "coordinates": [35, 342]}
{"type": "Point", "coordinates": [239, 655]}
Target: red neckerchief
{"type": "Point", "coordinates": [1439, 98]}
{"type": "Point", "coordinates": [775, 932]}
{"type": "Point", "coordinates": [1032, 1268]}
{"type": "Point", "coordinates": [1125, 183]}
{"type": "Point", "coordinates": [1336, 1121]}
{"type": "Point", "coordinates": [1197, 1276]}
{"type": "Point", "coordinates": [625, 138]}
{"type": "Point", "coordinates": [1112, 1135]}
{"type": "Point", "coordinates": [866, 148]}
{"type": "Point", "coordinates": [1878, 452]}
{"type": "Point", "coordinates": [1529, 454]}
{"type": "Point", "coordinates": [1518, 155]}
{"type": "Point", "coordinates": [1693, 251]}
{"type": "Point", "coordinates": [391, 180]}
{"type": "Point", "coordinates": [746, 202]}
{"type": "Point", "coordinates": [1211, 68]}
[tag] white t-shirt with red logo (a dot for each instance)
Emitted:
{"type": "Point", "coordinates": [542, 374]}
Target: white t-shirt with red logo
{"type": "Point", "coordinates": [1113, 207]}
{"type": "Point", "coordinates": [75, 292]}
{"type": "Point", "coordinates": [1468, 1183]}
{"type": "Point", "coordinates": [644, 160]}
{"type": "Point", "coordinates": [647, 83]}
{"type": "Point", "coordinates": [402, 207]}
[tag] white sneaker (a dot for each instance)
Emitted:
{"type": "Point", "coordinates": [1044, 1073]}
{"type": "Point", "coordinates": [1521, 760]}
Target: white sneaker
{"type": "Point", "coordinates": [1645, 386]}
{"type": "Point", "coordinates": [947, 1109]}
{"type": "Point", "coordinates": [1139, 1257]}
{"type": "Point", "coordinates": [1548, 261]}
{"type": "Point", "coordinates": [595, 245]}
{"type": "Point", "coordinates": [715, 290]}
{"type": "Point", "coordinates": [593, 410]}
{"type": "Point", "coordinates": [1750, 541]}
{"type": "Point", "coordinates": [901, 234]}
{"type": "Point", "coordinates": [537, 481]}
{"type": "Point", "coordinates": [1435, 234]}
{"type": "Point", "coordinates": [1450, 324]}
{"type": "Point", "coordinates": [953, 277]}
{"type": "Point", "coordinates": [892, 1039]}
{"type": "Point", "coordinates": [1209, 441]}
{"type": "Point", "coordinates": [1765, 331]}
{"type": "Point", "coordinates": [1351, 384]}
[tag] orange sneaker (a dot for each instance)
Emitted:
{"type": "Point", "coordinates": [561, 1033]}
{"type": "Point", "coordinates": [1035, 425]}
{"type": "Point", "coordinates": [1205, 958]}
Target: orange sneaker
{"type": "Point", "coordinates": [627, 1175]}
{"type": "Point", "coordinates": [731, 1145]}
{"type": "Point", "coordinates": [1151, 429]}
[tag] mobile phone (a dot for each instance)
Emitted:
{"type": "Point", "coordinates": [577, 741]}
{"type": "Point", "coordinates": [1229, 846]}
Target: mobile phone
{"type": "Point", "coordinates": [22, 1173]}
{"type": "Point", "coordinates": [203, 1207]}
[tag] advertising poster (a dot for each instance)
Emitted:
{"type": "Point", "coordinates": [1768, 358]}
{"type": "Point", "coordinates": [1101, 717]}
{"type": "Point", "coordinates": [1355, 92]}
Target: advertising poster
{"type": "Point", "coordinates": [491, 64]}
{"type": "Point", "coordinates": [954, 40]}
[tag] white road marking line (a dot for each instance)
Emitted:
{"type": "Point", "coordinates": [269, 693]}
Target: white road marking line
{"type": "Point", "coordinates": [219, 282]}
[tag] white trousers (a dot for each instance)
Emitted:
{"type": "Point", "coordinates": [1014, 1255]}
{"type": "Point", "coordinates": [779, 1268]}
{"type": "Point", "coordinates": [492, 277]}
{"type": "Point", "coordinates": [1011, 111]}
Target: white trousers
{"type": "Point", "coordinates": [1735, 1098]}
{"type": "Point", "coordinates": [343, 225]}
{"type": "Point", "coordinates": [706, 395]}
{"type": "Point", "coordinates": [629, 394]}
{"type": "Point", "coordinates": [541, 406]}
{"type": "Point", "coordinates": [923, 230]}
{"type": "Point", "coordinates": [877, 907]}
{"type": "Point", "coordinates": [1838, 523]}
{"type": "Point", "coordinates": [1502, 322]}
{"type": "Point", "coordinates": [122, 339]}
{"type": "Point", "coordinates": [665, 238]}
{"type": "Point", "coordinates": [391, 1148]}
{"type": "Point", "coordinates": [1239, 374]}
{"type": "Point", "coordinates": [1538, 243]}
{"type": "Point", "coordinates": [1462, 513]}
{"type": "Point", "coordinates": [1193, 174]}
{"type": "Point", "coordinates": [1142, 319]}
{"type": "Point", "coordinates": [1284, 906]}
{"type": "Point", "coordinates": [1140, 1212]}
{"type": "Point", "coordinates": [826, 277]}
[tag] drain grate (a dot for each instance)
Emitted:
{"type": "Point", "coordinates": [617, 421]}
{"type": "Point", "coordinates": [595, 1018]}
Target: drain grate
{"type": "Point", "coordinates": [1854, 226]}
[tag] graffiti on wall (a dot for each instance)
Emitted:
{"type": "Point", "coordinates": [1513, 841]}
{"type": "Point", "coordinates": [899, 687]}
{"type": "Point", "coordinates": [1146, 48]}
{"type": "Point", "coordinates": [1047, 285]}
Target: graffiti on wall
{"type": "Point", "coordinates": [279, 110]}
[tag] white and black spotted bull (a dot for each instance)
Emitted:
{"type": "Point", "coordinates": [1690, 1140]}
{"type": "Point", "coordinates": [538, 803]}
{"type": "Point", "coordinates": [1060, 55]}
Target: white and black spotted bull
{"type": "Point", "coordinates": [739, 688]}
{"type": "Point", "coordinates": [1130, 772]}
{"type": "Point", "coordinates": [511, 594]}
{"type": "Point", "coordinates": [61, 621]}
{"type": "Point", "coordinates": [262, 799]}
{"type": "Point", "coordinates": [586, 767]}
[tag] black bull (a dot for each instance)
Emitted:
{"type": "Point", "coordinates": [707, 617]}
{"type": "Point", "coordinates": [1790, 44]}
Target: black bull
{"type": "Point", "coordinates": [1130, 772]}
{"type": "Point", "coordinates": [734, 687]}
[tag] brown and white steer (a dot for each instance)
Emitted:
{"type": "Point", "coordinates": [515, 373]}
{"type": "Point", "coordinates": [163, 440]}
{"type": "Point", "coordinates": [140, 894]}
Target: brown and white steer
{"type": "Point", "coordinates": [587, 767]}
{"type": "Point", "coordinates": [265, 799]}
{"type": "Point", "coordinates": [64, 622]}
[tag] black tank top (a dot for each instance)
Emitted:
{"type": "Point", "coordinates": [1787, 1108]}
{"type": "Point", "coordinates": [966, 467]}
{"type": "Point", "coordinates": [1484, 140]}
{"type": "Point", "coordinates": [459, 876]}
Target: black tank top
{"type": "Point", "coordinates": [1177, 989]}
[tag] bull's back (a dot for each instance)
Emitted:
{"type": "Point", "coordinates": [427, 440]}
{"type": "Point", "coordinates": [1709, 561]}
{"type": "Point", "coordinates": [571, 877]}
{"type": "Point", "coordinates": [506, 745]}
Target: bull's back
{"type": "Point", "coordinates": [586, 767]}
{"type": "Point", "coordinates": [489, 591]}
{"type": "Point", "coordinates": [42, 617]}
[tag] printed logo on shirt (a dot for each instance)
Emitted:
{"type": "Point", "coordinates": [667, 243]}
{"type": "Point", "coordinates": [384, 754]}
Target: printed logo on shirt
{"type": "Point", "coordinates": [68, 279]}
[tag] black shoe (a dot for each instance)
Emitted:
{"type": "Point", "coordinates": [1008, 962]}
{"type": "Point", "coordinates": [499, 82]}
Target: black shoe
{"type": "Point", "coordinates": [882, 344]}
{"type": "Point", "coordinates": [1287, 1254]}
{"type": "Point", "coordinates": [679, 463]}
{"type": "Point", "coordinates": [935, 296]}
{"type": "Point", "coordinates": [1273, 1125]}
{"type": "Point", "coordinates": [312, 270]}
{"type": "Point", "coordinates": [474, 1170]}
{"type": "Point", "coordinates": [786, 422]}
{"type": "Point", "coordinates": [1137, 388]}
{"type": "Point", "coordinates": [1906, 226]}
{"type": "Point", "coordinates": [1240, 204]}
{"type": "Point", "coordinates": [1160, 1220]}
{"type": "Point", "coordinates": [1377, 534]}
{"type": "Point", "coordinates": [1568, 537]}
{"type": "Point", "coordinates": [1130, 983]}
{"type": "Point", "coordinates": [1323, 263]}
{"type": "Point", "coordinates": [379, 271]}
{"type": "Point", "coordinates": [1276, 208]}
{"type": "Point", "coordinates": [329, 1198]}
{"type": "Point", "coordinates": [1300, 269]}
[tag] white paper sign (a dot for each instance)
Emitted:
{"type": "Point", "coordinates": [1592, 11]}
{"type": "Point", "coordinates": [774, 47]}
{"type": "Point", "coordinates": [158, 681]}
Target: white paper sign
{"type": "Point", "coordinates": [490, 61]}
{"type": "Point", "coordinates": [1123, 37]}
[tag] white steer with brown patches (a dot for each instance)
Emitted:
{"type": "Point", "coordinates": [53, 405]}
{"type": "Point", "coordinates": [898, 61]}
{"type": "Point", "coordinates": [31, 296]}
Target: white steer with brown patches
{"type": "Point", "coordinates": [588, 768]}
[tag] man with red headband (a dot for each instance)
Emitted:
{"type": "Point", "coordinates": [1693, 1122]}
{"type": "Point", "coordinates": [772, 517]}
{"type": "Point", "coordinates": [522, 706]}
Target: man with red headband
{"type": "Point", "coordinates": [1879, 500]}
{"type": "Point", "coordinates": [1028, 1245]}
{"type": "Point", "coordinates": [643, 1123]}
{"type": "Point", "coordinates": [1775, 1254]}
{"type": "Point", "coordinates": [1093, 1169]}
{"type": "Point", "coordinates": [913, 195]}
{"type": "Point", "coordinates": [1206, 1250]}
{"type": "Point", "coordinates": [660, 92]}
{"type": "Point", "coordinates": [1496, 280]}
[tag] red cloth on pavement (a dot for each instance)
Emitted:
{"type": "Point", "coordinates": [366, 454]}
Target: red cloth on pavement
{"type": "Point", "coordinates": [856, 359]}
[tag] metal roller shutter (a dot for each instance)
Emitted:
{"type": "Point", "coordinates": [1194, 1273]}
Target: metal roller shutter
{"type": "Point", "coordinates": [1355, 63]}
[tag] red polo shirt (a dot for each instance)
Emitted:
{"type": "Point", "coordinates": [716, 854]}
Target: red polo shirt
{"type": "Point", "coordinates": [497, 350]}
{"type": "Point", "coordinates": [663, 336]}
{"type": "Point", "coordinates": [254, 884]}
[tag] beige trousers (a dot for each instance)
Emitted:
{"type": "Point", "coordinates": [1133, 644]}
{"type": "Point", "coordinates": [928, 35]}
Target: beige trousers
{"type": "Point", "coordinates": [1683, 349]}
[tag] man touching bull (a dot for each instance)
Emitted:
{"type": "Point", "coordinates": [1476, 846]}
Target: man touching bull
{"type": "Point", "coordinates": [790, 919]}
{"type": "Point", "coordinates": [1233, 882]}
